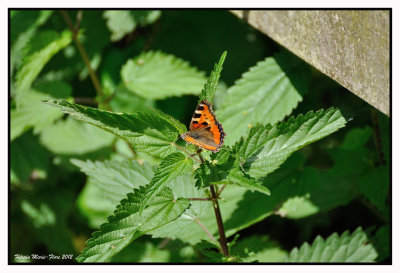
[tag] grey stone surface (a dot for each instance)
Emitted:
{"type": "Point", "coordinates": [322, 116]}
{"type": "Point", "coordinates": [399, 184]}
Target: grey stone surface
{"type": "Point", "coordinates": [350, 46]}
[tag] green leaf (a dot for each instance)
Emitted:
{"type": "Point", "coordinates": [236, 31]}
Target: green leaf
{"type": "Point", "coordinates": [209, 173]}
{"type": "Point", "coordinates": [170, 168]}
{"type": "Point", "coordinates": [108, 183]}
{"type": "Point", "coordinates": [72, 137]}
{"type": "Point", "coordinates": [374, 185]}
{"type": "Point", "coordinates": [146, 17]}
{"type": "Point", "coordinates": [55, 88]}
{"type": "Point", "coordinates": [195, 25]}
{"type": "Point", "coordinates": [283, 183]}
{"type": "Point", "coordinates": [93, 33]}
{"type": "Point", "coordinates": [348, 248]}
{"type": "Point", "coordinates": [187, 227]}
{"type": "Point", "coordinates": [265, 94]}
{"type": "Point", "coordinates": [237, 177]}
{"type": "Point", "coordinates": [323, 190]}
{"type": "Point", "coordinates": [119, 22]}
{"type": "Point", "coordinates": [334, 189]}
{"type": "Point", "coordinates": [226, 174]}
{"type": "Point", "coordinates": [116, 178]}
{"type": "Point", "coordinates": [298, 207]}
{"type": "Point", "coordinates": [27, 159]}
{"type": "Point", "coordinates": [24, 21]}
{"type": "Point", "coordinates": [40, 41]}
{"type": "Point", "coordinates": [267, 147]}
{"type": "Point", "coordinates": [125, 101]}
{"type": "Point", "coordinates": [381, 241]}
{"type": "Point", "coordinates": [114, 175]}
{"type": "Point", "coordinates": [181, 128]}
{"type": "Point", "coordinates": [142, 252]}
{"type": "Point", "coordinates": [41, 216]}
{"type": "Point", "coordinates": [356, 138]}
{"type": "Point", "coordinates": [336, 186]}
{"type": "Point", "coordinates": [46, 210]}
{"type": "Point", "coordinates": [224, 168]}
{"type": "Point", "coordinates": [33, 113]}
{"type": "Point", "coordinates": [122, 22]}
{"type": "Point", "coordinates": [211, 85]}
{"type": "Point", "coordinates": [258, 248]}
{"type": "Point", "coordinates": [94, 205]}
{"type": "Point", "coordinates": [153, 132]}
{"type": "Point", "coordinates": [210, 251]}
{"type": "Point", "coordinates": [156, 75]}
{"type": "Point", "coordinates": [127, 224]}
{"type": "Point", "coordinates": [122, 150]}
{"type": "Point", "coordinates": [35, 63]}
{"type": "Point", "coordinates": [23, 28]}
{"type": "Point", "coordinates": [299, 191]}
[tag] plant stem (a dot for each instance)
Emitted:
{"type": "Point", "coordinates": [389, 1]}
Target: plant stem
{"type": "Point", "coordinates": [222, 238]}
{"type": "Point", "coordinates": [85, 100]}
{"type": "Point", "coordinates": [199, 199]}
{"type": "Point", "coordinates": [185, 151]}
{"type": "Point", "coordinates": [163, 243]}
{"type": "Point", "coordinates": [203, 227]}
{"type": "Point", "coordinates": [220, 223]}
{"type": "Point", "coordinates": [131, 148]}
{"type": "Point", "coordinates": [82, 50]}
{"type": "Point", "coordinates": [220, 191]}
{"type": "Point", "coordinates": [78, 20]}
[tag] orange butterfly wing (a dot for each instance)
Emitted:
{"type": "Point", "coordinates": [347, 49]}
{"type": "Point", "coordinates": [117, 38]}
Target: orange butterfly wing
{"type": "Point", "coordinates": [204, 130]}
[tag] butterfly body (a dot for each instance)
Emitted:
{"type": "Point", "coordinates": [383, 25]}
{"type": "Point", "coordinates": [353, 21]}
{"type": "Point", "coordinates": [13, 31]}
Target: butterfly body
{"type": "Point", "coordinates": [204, 130]}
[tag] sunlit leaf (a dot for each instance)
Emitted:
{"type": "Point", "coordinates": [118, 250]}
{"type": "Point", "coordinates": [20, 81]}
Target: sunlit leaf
{"type": "Point", "coordinates": [211, 85]}
{"type": "Point", "coordinates": [149, 132]}
{"type": "Point", "coordinates": [70, 137]}
{"type": "Point", "coordinates": [265, 94]}
{"type": "Point", "coordinates": [116, 178]}
{"type": "Point", "coordinates": [35, 62]}
{"type": "Point", "coordinates": [173, 166]}
{"type": "Point", "coordinates": [267, 147]}
{"type": "Point", "coordinates": [122, 22]}
{"type": "Point", "coordinates": [258, 249]}
{"type": "Point", "coordinates": [127, 224]}
{"type": "Point", "coordinates": [24, 27]}
{"type": "Point", "coordinates": [156, 75]}
{"type": "Point", "coordinates": [347, 248]}
{"type": "Point", "coordinates": [209, 174]}
{"type": "Point", "coordinates": [142, 252]}
{"type": "Point", "coordinates": [33, 113]}
{"type": "Point", "coordinates": [94, 205]}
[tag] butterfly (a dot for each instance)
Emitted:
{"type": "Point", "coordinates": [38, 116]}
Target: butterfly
{"type": "Point", "coordinates": [204, 129]}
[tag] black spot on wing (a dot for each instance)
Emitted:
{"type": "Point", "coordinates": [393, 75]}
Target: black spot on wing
{"type": "Point", "coordinates": [201, 108]}
{"type": "Point", "coordinates": [196, 115]}
{"type": "Point", "coordinates": [195, 122]}
{"type": "Point", "coordinates": [205, 123]}
{"type": "Point", "coordinates": [222, 133]}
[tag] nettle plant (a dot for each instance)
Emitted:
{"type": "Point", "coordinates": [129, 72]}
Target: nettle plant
{"type": "Point", "coordinates": [200, 197]}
